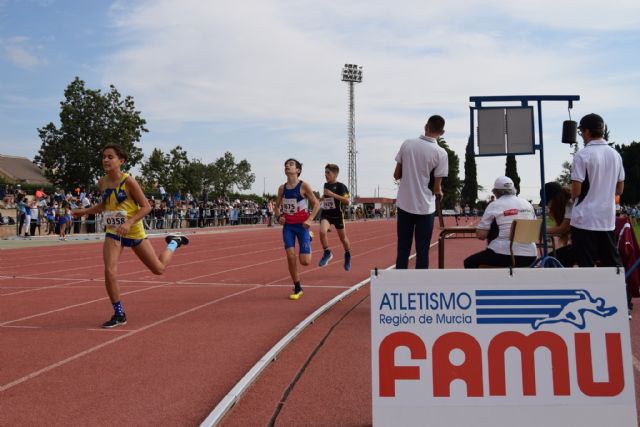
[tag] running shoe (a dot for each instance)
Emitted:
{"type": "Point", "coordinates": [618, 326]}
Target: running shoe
{"type": "Point", "coordinates": [326, 257]}
{"type": "Point", "coordinates": [178, 238]}
{"type": "Point", "coordinates": [115, 321]}
{"type": "Point", "coordinates": [296, 295]}
{"type": "Point", "coordinates": [347, 261]}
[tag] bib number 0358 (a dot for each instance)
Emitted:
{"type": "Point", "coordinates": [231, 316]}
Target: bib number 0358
{"type": "Point", "coordinates": [113, 219]}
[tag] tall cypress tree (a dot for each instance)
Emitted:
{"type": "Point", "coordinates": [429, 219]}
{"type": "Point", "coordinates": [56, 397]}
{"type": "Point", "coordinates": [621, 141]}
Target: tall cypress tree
{"type": "Point", "coordinates": [451, 184]}
{"type": "Point", "coordinates": [469, 193]}
{"type": "Point", "coordinates": [511, 171]}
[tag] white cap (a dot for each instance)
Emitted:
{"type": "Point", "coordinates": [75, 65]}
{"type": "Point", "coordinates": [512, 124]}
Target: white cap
{"type": "Point", "coordinates": [503, 183]}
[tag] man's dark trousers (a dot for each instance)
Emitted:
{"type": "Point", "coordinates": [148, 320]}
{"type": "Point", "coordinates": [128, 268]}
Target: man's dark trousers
{"type": "Point", "coordinates": [409, 224]}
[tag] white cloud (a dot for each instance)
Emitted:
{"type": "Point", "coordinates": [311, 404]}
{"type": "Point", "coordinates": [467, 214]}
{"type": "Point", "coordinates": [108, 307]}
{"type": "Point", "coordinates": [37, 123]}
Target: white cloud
{"type": "Point", "coordinates": [591, 15]}
{"type": "Point", "coordinates": [19, 52]}
{"type": "Point", "coordinates": [275, 66]}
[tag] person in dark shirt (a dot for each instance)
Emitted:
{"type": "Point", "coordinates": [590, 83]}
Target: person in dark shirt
{"type": "Point", "coordinates": [336, 195]}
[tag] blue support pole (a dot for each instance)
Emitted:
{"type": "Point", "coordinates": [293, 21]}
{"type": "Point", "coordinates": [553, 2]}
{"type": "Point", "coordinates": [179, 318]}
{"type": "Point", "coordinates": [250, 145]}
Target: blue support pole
{"type": "Point", "coordinates": [543, 201]}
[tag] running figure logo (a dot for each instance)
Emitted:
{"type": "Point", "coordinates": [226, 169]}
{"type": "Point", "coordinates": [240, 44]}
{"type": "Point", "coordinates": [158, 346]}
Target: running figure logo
{"type": "Point", "coordinates": [574, 311]}
{"type": "Point", "coordinates": [537, 307]}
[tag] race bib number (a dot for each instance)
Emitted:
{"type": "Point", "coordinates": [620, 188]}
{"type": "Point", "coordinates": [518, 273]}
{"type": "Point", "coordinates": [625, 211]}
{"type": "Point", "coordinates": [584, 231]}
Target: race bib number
{"type": "Point", "coordinates": [289, 206]}
{"type": "Point", "coordinates": [328, 203]}
{"type": "Point", "coordinates": [113, 219]}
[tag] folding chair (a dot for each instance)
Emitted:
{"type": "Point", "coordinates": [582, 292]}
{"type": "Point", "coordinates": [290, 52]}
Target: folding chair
{"type": "Point", "coordinates": [523, 231]}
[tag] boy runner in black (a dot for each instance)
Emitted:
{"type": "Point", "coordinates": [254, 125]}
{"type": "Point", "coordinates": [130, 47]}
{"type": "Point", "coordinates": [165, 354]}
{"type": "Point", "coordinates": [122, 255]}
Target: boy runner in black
{"type": "Point", "coordinates": [336, 195]}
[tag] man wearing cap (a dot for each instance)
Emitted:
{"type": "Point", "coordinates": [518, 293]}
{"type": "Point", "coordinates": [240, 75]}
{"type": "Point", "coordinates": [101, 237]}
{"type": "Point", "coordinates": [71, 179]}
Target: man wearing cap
{"type": "Point", "coordinates": [420, 166]}
{"type": "Point", "coordinates": [503, 211]}
{"type": "Point", "coordinates": [597, 176]}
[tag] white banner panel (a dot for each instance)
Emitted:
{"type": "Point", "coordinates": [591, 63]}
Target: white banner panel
{"type": "Point", "coordinates": [483, 348]}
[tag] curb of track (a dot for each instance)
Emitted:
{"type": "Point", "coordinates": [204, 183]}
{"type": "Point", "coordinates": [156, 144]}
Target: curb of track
{"type": "Point", "coordinates": [227, 402]}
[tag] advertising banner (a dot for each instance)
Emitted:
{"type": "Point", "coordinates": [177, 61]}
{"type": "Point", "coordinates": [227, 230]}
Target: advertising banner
{"type": "Point", "coordinates": [538, 347]}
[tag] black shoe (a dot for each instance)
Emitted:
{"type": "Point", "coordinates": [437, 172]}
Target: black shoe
{"type": "Point", "coordinates": [179, 239]}
{"type": "Point", "coordinates": [115, 321]}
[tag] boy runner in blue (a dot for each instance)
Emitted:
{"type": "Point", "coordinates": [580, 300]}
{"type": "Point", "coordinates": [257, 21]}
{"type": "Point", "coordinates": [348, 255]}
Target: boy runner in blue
{"type": "Point", "coordinates": [293, 200]}
{"type": "Point", "coordinates": [336, 195]}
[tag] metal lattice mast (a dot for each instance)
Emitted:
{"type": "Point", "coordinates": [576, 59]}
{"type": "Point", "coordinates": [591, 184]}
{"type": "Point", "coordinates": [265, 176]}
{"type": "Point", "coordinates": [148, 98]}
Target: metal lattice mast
{"type": "Point", "coordinates": [352, 73]}
{"type": "Point", "coordinates": [351, 147]}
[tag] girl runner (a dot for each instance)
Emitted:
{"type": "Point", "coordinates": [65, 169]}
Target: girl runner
{"type": "Point", "coordinates": [124, 206]}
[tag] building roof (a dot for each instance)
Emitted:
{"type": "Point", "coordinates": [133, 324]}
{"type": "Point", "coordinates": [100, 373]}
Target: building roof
{"type": "Point", "coordinates": [21, 170]}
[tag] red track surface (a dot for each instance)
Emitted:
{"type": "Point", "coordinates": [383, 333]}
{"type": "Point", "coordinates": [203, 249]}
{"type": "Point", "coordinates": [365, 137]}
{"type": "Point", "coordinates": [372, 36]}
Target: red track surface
{"type": "Point", "coordinates": [192, 333]}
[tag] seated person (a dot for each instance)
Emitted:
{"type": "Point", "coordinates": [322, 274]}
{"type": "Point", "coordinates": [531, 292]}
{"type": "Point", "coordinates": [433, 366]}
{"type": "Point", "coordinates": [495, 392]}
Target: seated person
{"type": "Point", "coordinates": [559, 203]}
{"type": "Point", "coordinates": [503, 211]}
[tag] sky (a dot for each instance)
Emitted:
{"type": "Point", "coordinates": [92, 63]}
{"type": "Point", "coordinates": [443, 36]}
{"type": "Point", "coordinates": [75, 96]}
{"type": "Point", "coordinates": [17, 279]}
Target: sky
{"type": "Point", "coordinates": [262, 79]}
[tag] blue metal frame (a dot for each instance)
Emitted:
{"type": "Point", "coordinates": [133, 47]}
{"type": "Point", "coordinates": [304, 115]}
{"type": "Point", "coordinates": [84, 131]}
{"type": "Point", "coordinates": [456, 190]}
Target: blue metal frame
{"type": "Point", "coordinates": [524, 102]}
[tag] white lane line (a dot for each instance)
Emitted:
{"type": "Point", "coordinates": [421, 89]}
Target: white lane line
{"type": "Point", "coordinates": [40, 278]}
{"type": "Point", "coordinates": [279, 259]}
{"type": "Point", "coordinates": [74, 281]}
{"type": "Point", "coordinates": [67, 329]}
{"type": "Point", "coordinates": [318, 268]}
{"type": "Point", "coordinates": [68, 307]}
{"type": "Point", "coordinates": [53, 366]}
{"type": "Point", "coordinates": [185, 281]}
{"type": "Point", "coordinates": [180, 282]}
{"type": "Point", "coordinates": [313, 286]}
{"type": "Point", "coordinates": [21, 327]}
{"type": "Point", "coordinates": [245, 382]}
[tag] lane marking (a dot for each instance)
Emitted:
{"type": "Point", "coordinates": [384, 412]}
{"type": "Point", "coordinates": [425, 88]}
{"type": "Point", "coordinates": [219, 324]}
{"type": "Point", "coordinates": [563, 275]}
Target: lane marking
{"type": "Point", "coordinates": [76, 305]}
{"type": "Point", "coordinates": [180, 282]}
{"type": "Point", "coordinates": [266, 262]}
{"type": "Point", "coordinates": [45, 287]}
{"type": "Point", "coordinates": [227, 402]}
{"type": "Point", "coordinates": [53, 366]}
{"type": "Point", "coordinates": [318, 268]}
{"type": "Point", "coordinates": [21, 327]}
{"type": "Point", "coordinates": [36, 277]}
{"type": "Point", "coordinates": [67, 329]}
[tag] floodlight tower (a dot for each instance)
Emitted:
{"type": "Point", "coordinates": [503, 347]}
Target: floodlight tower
{"type": "Point", "coordinates": [352, 73]}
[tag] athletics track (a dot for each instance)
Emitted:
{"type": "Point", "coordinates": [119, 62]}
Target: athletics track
{"type": "Point", "coordinates": [192, 333]}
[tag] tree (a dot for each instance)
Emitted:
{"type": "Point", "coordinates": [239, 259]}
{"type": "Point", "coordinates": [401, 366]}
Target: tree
{"type": "Point", "coordinates": [631, 162]}
{"type": "Point", "coordinates": [178, 164]}
{"type": "Point", "coordinates": [565, 176]}
{"type": "Point", "coordinates": [70, 155]}
{"type": "Point", "coordinates": [451, 184]}
{"type": "Point", "coordinates": [156, 170]}
{"type": "Point", "coordinates": [511, 171]}
{"type": "Point", "coordinates": [469, 193]}
{"type": "Point", "coordinates": [198, 176]}
{"type": "Point", "coordinates": [227, 173]}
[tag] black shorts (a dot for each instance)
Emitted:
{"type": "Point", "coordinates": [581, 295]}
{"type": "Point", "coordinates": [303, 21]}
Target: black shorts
{"type": "Point", "coordinates": [337, 221]}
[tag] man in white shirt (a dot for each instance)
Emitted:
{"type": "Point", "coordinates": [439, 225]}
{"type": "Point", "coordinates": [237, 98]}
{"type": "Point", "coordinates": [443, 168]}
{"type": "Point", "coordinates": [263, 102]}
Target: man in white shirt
{"type": "Point", "coordinates": [503, 211]}
{"type": "Point", "coordinates": [597, 176]}
{"type": "Point", "coordinates": [420, 166]}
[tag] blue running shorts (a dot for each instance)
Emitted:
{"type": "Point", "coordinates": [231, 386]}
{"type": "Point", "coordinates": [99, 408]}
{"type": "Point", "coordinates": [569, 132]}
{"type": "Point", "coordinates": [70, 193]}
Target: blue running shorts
{"type": "Point", "coordinates": [292, 231]}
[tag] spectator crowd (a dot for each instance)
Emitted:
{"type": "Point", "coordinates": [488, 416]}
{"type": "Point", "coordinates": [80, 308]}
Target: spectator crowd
{"type": "Point", "coordinates": [41, 213]}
